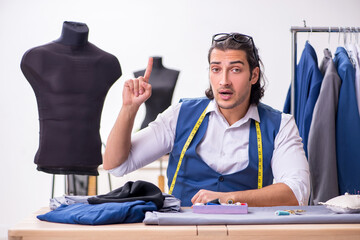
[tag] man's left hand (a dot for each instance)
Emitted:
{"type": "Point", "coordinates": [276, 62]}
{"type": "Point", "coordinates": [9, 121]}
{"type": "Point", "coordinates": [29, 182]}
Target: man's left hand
{"type": "Point", "coordinates": [204, 196]}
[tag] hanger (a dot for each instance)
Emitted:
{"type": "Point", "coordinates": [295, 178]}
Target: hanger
{"type": "Point", "coordinates": [309, 34]}
{"type": "Point", "coordinates": [345, 32]}
{"type": "Point", "coordinates": [329, 38]}
{"type": "Point", "coordinates": [354, 32]}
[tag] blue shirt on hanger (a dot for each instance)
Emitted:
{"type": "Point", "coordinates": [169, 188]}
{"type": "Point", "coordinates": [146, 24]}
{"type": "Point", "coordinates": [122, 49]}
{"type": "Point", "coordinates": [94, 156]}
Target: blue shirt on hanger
{"type": "Point", "coordinates": [347, 126]}
{"type": "Point", "coordinates": [307, 84]}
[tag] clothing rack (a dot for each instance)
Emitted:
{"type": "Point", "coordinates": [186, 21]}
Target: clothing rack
{"type": "Point", "coordinates": [294, 30]}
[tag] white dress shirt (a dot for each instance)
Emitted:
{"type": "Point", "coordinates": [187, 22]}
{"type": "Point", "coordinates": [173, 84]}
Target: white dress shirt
{"type": "Point", "coordinates": [228, 143]}
{"type": "Point", "coordinates": [354, 56]}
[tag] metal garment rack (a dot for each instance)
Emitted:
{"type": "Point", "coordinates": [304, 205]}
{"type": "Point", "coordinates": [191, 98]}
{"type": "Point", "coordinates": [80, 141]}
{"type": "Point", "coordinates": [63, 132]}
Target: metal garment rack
{"type": "Point", "coordinates": [294, 31]}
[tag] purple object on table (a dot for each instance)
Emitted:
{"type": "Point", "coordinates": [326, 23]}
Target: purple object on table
{"type": "Point", "coordinates": [221, 209]}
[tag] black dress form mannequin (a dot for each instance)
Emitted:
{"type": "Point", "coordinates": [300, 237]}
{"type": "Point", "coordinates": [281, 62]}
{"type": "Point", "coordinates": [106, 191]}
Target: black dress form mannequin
{"type": "Point", "coordinates": [163, 81]}
{"type": "Point", "coordinates": [70, 78]}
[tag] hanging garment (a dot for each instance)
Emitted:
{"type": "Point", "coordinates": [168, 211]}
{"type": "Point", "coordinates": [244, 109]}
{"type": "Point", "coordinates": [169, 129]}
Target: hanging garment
{"type": "Point", "coordinates": [322, 138]}
{"type": "Point", "coordinates": [347, 126]}
{"type": "Point", "coordinates": [98, 214]}
{"type": "Point", "coordinates": [357, 46]}
{"type": "Point", "coordinates": [307, 85]}
{"type": "Point", "coordinates": [354, 55]}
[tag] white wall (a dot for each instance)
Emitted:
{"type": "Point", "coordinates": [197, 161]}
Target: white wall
{"type": "Point", "coordinates": [180, 31]}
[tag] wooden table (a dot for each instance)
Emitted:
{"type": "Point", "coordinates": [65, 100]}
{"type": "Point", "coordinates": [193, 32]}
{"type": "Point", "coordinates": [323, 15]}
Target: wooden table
{"type": "Point", "coordinates": [31, 228]}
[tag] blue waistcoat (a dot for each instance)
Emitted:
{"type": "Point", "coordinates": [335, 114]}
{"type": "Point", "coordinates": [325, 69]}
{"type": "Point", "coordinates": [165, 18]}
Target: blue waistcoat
{"type": "Point", "coordinates": [308, 79]}
{"type": "Point", "coordinates": [347, 127]}
{"type": "Point", "coordinates": [195, 174]}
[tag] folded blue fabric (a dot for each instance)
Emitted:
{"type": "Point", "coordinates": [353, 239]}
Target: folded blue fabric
{"type": "Point", "coordinates": [99, 214]}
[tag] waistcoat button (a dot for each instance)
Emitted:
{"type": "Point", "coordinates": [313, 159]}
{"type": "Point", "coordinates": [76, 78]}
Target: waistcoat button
{"type": "Point", "coordinates": [221, 178]}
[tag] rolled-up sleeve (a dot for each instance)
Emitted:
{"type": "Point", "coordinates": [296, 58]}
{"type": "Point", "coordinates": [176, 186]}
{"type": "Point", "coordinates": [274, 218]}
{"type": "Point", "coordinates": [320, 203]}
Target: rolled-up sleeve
{"type": "Point", "coordinates": [289, 162]}
{"type": "Point", "coordinates": [150, 143]}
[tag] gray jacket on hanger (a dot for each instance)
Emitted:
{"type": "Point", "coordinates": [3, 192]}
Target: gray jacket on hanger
{"type": "Point", "coordinates": [322, 141]}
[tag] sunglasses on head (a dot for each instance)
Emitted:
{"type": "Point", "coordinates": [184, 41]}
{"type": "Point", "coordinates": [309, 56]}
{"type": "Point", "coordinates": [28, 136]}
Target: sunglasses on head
{"type": "Point", "coordinates": [237, 37]}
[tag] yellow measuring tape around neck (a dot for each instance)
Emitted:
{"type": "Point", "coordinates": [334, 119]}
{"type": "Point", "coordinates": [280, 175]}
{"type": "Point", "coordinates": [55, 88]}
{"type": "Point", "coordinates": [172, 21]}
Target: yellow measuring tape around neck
{"type": "Point", "coordinates": [260, 154]}
{"type": "Point", "coordinates": [190, 138]}
{"type": "Point", "coordinates": [187, 143]}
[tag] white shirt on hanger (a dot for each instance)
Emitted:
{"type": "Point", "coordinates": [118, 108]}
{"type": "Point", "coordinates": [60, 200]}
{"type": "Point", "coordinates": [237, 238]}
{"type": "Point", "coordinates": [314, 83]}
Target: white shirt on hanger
{"type": "Point", "coordinates": [354, 56]}
{"type": "Point", "coordinates": [225, 148]}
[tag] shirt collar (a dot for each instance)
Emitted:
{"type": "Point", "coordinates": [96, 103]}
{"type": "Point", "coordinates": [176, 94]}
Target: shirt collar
{"type": "Point", "coordinates": [252, 113]}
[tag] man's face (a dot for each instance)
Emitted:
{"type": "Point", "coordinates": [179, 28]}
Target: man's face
{"type": "Point", "coordinates": [230, 79]}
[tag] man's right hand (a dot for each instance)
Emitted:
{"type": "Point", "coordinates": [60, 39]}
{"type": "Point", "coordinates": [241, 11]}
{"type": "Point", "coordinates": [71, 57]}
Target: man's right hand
{"type": "Point", "coordinates": [135, 92]}
{"type": "Point", "coordinates": [138, 90]}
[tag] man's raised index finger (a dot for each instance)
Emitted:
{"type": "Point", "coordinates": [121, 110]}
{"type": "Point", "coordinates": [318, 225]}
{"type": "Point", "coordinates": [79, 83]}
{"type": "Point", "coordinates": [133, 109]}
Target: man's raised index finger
{"type": "Point", "coordinates": [148, 69]}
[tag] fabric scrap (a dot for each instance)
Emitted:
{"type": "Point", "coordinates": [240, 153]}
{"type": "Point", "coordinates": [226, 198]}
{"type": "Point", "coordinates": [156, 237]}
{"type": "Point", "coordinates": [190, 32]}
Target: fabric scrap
{"type": "Point", "coordinates": [256, 215]}
{"type": "Point", "coordinates": [99, 214]}
{"type": "Point", "coordinates": [132, 191]}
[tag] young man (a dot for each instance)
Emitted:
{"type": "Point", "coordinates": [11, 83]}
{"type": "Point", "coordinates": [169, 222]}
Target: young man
{"type": "Point", "coordinates": [227, 146]}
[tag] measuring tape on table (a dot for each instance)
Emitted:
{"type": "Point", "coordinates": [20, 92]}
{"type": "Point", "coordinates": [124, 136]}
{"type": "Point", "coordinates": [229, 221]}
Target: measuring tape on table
{"type": "Point", "coordinates": [191, 136]}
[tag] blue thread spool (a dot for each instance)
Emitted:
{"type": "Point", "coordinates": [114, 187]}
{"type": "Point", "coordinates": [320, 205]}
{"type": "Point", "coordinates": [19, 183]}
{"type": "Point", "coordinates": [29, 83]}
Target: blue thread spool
{"type": "Point", "coordinates": [281, 213]}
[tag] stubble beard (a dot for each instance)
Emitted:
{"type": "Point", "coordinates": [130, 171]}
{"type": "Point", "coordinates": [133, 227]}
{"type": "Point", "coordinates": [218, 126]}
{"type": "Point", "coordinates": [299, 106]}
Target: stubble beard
{"type": "Point", "coordinates": [237, 103]}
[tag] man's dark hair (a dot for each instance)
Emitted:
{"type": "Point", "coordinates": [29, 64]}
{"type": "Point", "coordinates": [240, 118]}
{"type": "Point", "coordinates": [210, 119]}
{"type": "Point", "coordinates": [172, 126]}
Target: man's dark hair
{"type": "Point", "coordinates": [257, 89]}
